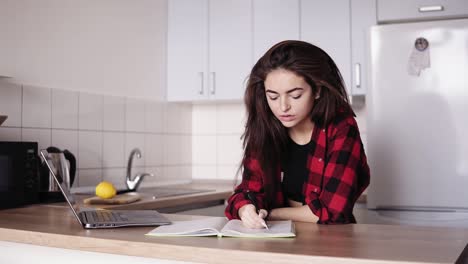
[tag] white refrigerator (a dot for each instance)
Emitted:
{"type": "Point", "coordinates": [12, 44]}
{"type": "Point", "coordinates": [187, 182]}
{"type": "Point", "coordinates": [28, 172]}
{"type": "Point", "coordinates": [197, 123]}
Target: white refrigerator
{"type": "Point", "coordinates": [418, 117]}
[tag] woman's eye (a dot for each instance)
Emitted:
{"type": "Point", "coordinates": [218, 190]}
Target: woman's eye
{"type": "Point", "coordinates": [273, 98]}
{"type": "Point", "coordinates": [296, 96]}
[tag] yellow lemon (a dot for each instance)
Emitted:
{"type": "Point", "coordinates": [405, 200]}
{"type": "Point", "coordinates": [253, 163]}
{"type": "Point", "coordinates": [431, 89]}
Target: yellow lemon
{"type": "Point", "coordinates": [105, 190]}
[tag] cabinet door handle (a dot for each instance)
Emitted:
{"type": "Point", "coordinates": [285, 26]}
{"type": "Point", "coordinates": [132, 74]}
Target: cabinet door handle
{"type": "Point", "coordinates": [357, 74]}
{"type": "Point", "coordinates": [213, 83]}
{"type": "Point", "coordinates": [202, 84]}
{"type": "Point", "coordinates": [424, 9]}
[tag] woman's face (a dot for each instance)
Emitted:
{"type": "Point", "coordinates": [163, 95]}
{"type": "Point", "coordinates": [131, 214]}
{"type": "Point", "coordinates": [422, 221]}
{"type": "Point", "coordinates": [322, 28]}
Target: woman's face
{"type": "Point", "coordinates": [290, 97]}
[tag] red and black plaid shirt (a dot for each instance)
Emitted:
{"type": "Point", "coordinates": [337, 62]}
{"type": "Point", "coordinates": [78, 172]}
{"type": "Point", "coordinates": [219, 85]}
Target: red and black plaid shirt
{"type": "Point", "coordinates": [338, 174]}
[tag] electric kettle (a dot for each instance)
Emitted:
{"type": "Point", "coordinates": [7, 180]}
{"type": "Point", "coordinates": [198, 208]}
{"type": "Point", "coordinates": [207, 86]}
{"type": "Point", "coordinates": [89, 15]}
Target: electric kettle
{"type": "Point", "coordinates": [65, 165]}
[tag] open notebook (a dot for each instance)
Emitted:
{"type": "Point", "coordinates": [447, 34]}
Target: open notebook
{"type": "Point", "coordinates": [220, 226]}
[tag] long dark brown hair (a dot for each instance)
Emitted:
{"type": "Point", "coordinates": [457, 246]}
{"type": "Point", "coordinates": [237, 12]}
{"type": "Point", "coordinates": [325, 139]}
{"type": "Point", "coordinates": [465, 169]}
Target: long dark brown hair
{"type": "Point", "coordinates": [265, 138]}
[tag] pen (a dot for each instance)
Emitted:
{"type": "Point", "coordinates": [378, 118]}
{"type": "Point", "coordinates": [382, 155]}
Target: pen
{"type": "Point", "coordinates": [251, 197]}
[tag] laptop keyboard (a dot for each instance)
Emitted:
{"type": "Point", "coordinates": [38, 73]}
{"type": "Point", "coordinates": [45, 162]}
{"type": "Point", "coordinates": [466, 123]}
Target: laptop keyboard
{"type": "Point", "coordinates": [106, 216]}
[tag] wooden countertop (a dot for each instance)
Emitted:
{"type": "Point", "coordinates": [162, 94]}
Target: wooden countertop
{"type": "Point", "coordinates": [55, 226]}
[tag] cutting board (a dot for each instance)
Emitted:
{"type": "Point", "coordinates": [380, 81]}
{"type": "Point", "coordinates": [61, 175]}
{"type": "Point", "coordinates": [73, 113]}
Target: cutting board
{"type": "Point", "coordinates": [125, 198]}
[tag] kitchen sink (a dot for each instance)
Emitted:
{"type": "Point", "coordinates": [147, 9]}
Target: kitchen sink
{"type": "Point", "coordinates": [160, 192]}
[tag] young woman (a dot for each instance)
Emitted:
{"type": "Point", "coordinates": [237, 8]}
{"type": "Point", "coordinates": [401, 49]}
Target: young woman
{"type": "Point", "coordinates": [303, 155]}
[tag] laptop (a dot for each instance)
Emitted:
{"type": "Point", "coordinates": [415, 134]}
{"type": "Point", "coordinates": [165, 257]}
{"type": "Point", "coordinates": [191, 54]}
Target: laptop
{"type": "Point", "coordinates": [92, 218]}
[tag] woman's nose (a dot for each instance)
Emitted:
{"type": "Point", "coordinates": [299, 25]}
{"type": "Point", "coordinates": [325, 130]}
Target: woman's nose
{"type": "Point", "coordinates": [284, 104]}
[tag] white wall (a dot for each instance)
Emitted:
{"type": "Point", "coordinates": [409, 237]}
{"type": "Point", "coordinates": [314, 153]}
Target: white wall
{"type": "Point", "coordinates": [90, 76]}
{"type": "Point", "coordinates": [113, 47]}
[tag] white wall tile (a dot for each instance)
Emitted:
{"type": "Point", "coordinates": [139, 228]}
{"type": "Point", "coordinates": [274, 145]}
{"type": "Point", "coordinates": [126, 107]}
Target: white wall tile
{"type": "Point", "coordinates": [10, 103]}
{"type": "Point", "coordinates": [179, 118]}
{"type": "Point", "coordinates": [113, 149]}
{"type": "Point", "coordinates": [41, 136]}
{"type": "Point", "coordinates": [172, 149]}
{"type": "Point", "coordinates": [36, 107]}
{"type": "Point", "coordinates": [64, 109]}
{"type": "Point", "coordinates": [90, 114]}
{"type": "Point", "coordinates": [157, 171]}
{"type": "Point", "coordinates": [204, 119]}
{"type": "Point", "coordinates": [227, 172]}
{"type": "Point", "coordinates": [134, 115]}
{"type": "Point", "coordinates": [185, 124]}
{"type": "Point", "coordinates": [176, 173]}
{"type": "Point", "coordinates": [229, 149]}
{"type": "Point", "coordinates": [154, 117]}
{"type": "Point", "coordinates": [204, 150]}
{"type": "Point", "coordinates": [136, 170]}
{"type": "Point", "coordinates": [66, 139]}
{"type": "Point", "coordinates": [154, 149]}
{"type": "Point", "coordinates": [135, 140]}
{"type": "Point", "coordinates": [88, 177]}
{"type": "Point", "coordinates": [231, 118]}
{"type": "Point", "coordinates": [204, 172]}
{"type": "Point", "coordinates": [89, 150]}
{"type": "Point", "coordinates": [172, 118]}
{"type": "Point", "coordinates": [10, 134]}
{"type": "Point", "coordinates": [114, 113]}
{"type": "Point", "coordinates": [116, 176]}
{"type": "Point", "coordinates": [185, 149]}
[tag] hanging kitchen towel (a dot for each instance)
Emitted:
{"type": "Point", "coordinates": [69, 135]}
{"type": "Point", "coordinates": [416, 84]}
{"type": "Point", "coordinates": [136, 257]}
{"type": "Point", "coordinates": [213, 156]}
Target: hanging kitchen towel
{"type": "Point", "coordinates": [420, 57]}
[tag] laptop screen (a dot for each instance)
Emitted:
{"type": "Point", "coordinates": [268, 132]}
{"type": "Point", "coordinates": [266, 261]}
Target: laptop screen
{"type": "Point", "coordinates": [69, 197]}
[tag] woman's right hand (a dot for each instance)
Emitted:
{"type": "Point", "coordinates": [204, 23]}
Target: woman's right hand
{"type": "Point", "coordinates": [250, 218]}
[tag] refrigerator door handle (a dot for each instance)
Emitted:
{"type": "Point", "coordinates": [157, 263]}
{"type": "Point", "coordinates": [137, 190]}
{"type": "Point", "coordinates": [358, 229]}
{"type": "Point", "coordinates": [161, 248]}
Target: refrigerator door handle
{"type": "Point", "coordinates": [424, 9]}
{"type": "Point", "coordinates": [357, 74]}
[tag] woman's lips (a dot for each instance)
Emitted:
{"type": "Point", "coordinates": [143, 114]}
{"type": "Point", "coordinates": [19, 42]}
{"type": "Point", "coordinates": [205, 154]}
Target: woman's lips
{"type": "Point", "coordinates": [287, 118]}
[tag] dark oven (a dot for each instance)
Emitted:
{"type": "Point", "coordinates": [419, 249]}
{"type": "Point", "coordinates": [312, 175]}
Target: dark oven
{"type": "Point", "coordinates": [19, 177]}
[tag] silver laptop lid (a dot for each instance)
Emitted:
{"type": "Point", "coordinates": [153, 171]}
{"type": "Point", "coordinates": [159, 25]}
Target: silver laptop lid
{"type": "Point", "coordinates": [69, 197]}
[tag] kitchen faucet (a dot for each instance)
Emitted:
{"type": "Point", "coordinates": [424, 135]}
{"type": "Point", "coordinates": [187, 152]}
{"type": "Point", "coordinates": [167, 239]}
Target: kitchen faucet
{"type": "Point", "coordinates": [132, 184]}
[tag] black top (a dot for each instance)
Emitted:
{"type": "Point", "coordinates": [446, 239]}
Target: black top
{"type": "Point", "coordinates": [295, 170]}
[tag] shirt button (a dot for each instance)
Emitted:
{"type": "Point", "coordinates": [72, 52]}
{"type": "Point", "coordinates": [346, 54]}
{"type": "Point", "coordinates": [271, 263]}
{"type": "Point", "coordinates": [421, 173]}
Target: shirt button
{"type": "Point", "coordinates": [320, 159]}
{"type": "Point", "coordinates": [315, 190]}
{"type": "Point", "coordinates": [323, 130]}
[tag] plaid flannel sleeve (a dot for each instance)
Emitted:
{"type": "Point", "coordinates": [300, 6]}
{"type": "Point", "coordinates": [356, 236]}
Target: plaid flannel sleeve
{"type": "Point", "coordinates": [252, 181]}
{"type": "Point", "coordinates": [346, 175]}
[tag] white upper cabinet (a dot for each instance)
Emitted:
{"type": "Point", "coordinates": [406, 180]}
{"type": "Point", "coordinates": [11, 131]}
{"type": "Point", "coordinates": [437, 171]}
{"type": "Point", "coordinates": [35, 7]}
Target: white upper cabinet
{"type": "Point", "coordinates": [363, 16]}
{"type": "Point", "coordinates": [326, 24]}
{"type": "Point", "coordinates": [274, 21]}
{"type": "Point", "coordinates": [230, 45]}
{"type": "Point", "coordinates": [187, 49]}
{"type": "Point", "coordinates": [213, 44]}
{"type": "Point", "coordinates": [412, 10]}
{"type": "Point", "coordinates": [209, 49]}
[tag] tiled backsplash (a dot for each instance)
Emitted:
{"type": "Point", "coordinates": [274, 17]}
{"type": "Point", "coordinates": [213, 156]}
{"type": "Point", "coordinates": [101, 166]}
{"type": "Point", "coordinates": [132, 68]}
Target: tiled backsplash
{"type": "Point", "coordinates": [179, 142]}
{"type": "Point", "coordinates": [101, 131]}
{"type": "Point", "coordinates": [217, 145]}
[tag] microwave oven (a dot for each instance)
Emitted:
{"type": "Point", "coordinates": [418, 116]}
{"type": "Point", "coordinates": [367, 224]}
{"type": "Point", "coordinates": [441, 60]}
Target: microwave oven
{"type": "Point", "coordinates": [19, 174]}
